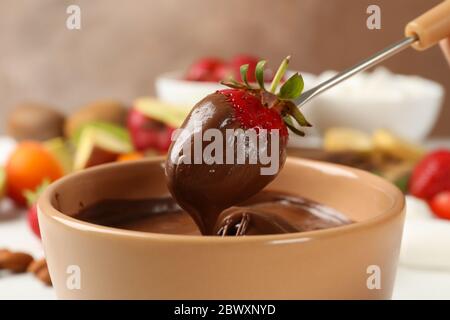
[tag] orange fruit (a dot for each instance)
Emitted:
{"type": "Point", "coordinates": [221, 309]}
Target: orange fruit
{"type": "Point", "coordinates": [130, 156]}
{"type": "Point", "coordinates": [28, 167]}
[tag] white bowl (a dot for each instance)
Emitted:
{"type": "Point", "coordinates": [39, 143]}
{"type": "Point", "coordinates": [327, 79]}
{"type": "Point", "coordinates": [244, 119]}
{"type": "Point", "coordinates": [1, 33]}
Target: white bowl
{"type": "Point", "coordinates": [172, 88]}
{"type": "Point", "coordinates": [405, 105]}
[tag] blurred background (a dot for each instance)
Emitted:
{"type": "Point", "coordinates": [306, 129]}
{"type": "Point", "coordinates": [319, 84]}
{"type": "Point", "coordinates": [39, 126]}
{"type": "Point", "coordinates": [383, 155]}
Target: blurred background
{"type": "Point", "coordinates": [381, 122]}
{"type": "Point", "coordinates": [122, 47]}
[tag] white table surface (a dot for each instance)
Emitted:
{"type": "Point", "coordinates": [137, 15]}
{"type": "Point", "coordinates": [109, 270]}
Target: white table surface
{"type": "Point", "coordinates": [15, 234]}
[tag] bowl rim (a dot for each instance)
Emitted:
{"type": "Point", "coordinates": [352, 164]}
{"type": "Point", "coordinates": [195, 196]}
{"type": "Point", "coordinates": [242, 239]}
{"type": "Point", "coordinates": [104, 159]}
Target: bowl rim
{"type": "Point", "coordinates": [176, 76]}
{"type": "Point", "coordinates": [45, 207]}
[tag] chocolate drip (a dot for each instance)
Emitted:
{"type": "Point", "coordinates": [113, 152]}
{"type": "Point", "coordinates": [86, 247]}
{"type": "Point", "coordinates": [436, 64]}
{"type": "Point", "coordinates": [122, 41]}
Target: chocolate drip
{"type": "Point", "coordinates": [245, 221]}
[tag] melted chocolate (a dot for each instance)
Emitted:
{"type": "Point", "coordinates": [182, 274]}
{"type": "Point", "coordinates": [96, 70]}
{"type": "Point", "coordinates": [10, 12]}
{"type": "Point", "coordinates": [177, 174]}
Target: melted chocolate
{"type": "Point", "coordinates": [205, 190]}
{"type": "Point", "coordinates": [268, 212]}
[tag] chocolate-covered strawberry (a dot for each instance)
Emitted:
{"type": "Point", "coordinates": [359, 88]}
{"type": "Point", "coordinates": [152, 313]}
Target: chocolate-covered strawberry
{"type": "Point", "coordinates": [232, 144]}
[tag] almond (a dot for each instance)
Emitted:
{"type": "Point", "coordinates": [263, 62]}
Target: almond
{"type": "Point", "coordinates": [16, 262]}
{"type": "Point", "coordinates": [4, 255]}
{"type": "Point", "coordinates": [39, 268]}
{"type": "Point", "coordinates": [44, 276]}
{"type": "Point", "coordinates": [37, 265]}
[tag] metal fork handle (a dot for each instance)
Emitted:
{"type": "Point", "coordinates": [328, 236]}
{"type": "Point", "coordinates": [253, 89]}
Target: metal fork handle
{"type": "Point", "coordinates": [363, 65]}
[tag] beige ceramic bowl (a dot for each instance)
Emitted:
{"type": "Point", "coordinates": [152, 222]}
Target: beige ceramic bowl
{"type": "Point", "coordinates": [336, 263]}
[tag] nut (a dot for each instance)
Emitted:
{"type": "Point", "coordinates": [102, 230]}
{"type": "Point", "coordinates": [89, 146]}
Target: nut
{"type": "Point", "coordinates": [44, 276]}
{"type": "Point", "coordinates": [36, 265]}
{"type": "Point", "coordinates": [4, 254]}
{"type": "Point", "coordinates": [16, 262]}
{"type": "Point", "coordinates": [39, 268]}
{"type": "Point", "coordinates": [19, 262]}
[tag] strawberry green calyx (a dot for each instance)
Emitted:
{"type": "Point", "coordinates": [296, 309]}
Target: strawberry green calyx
{"type": "Point", "coordinates": [259, 73]}
{"type": "Point", "coordinates": [288, 121]}
{"type": "Point", "coordinates": [235, 84]}
{"type": "Point", "coordinates": [291, 111]}
{"type": "Point", "coordinates": [244, 71]}
{"type": "Point", "coordinates": [282, 102]}
{"type": "Point", "coordinates": [280, 73]}
{"type": "Point", "coordinates": [292, 88]}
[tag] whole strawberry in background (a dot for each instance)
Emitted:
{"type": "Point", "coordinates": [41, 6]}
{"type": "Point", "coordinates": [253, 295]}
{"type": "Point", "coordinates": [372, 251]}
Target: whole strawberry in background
{"type": "Point", "coordinates": [431, 175]}
{"type": "Point", "coordinates": [212, 69]}
{"type": "Point", "coordinates": [148, 133]}
{"type": "Point", "coordinates": [440, 204]}
{"type": "Point", "coordinates": [32, 197]}
{"type": "Point", "coordinates": [207, 69]}
{"type": "Point", "coordinates": [151, 123]}
{"type": "Point", "coordinates": [430, 181]}
{"type": "Point", "coordinates": [32, 219]}
{"type": "Point", "coordinates": [244, 59]}
{"type": "Point", "coordinates": [243, 106]}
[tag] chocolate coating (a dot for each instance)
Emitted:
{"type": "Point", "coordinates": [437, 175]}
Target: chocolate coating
{"type": "Point", "coordinates": [205, 190]}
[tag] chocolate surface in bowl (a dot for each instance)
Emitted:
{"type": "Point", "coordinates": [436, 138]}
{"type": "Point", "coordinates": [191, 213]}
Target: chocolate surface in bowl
{"type": "Point", "coordinates": [268, 212]}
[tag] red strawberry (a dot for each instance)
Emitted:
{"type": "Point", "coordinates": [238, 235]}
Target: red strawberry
{"type": "Point", "coordinates": [205, 189]}
{"type": "Point", "coordinates": [33, 220]}
{"type": "Point", "coordinates": [222, 72]}
{"type": "Point", "coordinates": [32, 216]}
{"type": "Point", "coordinates": [205, 69]}
{"type": "Point", "coordinates": [431, 175]}
{"type": "Point", "coordinates": [440, 204]}
{"type": "Point", "coordinates": [147, 133]}
{"type": "Point", "coordinates": [243, 59]}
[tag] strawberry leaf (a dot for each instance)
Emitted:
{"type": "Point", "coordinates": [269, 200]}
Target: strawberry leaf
{"type": "Point", "coordinates": [244, 71]}
{"type": "Point", "coordinates": [292, 88]}
{"type": "Point", "coordinates": [292, 127]}
{"type": "Point", "coordinates": [279, 75]}
{"type": "Point", "coordinates": [259, 73]}
{"type": "Point", "coordinates": [298, 116]}
{"type": "Point", "coordinates": [233, 84]}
